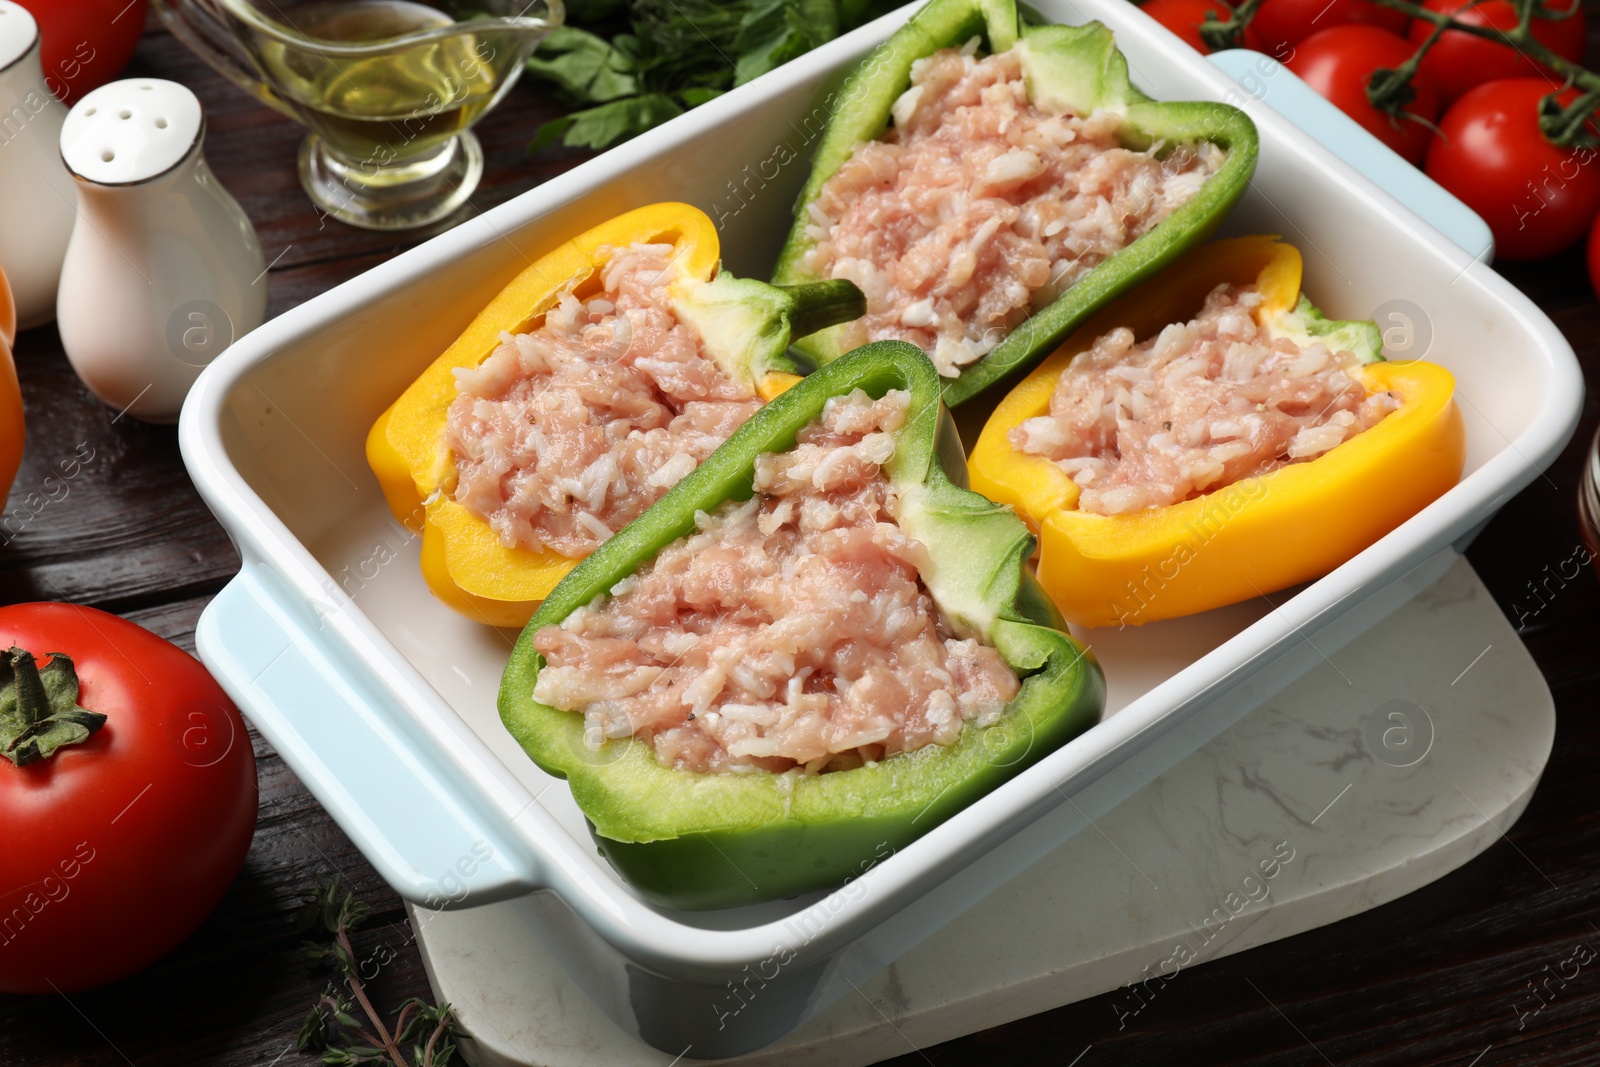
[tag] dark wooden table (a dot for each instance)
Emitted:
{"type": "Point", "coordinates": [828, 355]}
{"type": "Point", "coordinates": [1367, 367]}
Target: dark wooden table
{"type": "Point", "coordinates": [1431, 978]}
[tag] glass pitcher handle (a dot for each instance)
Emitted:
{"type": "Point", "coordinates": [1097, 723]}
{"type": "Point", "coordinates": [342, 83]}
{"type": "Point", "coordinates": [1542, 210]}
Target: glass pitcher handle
{"type": "Point", "coordinates": [200, 26]}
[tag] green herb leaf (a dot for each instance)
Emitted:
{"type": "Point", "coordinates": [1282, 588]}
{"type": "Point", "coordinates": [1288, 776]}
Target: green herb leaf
{"type": "Point", "coordinates": [678, 54]}
{"type": "Point", "coordinates": [585, 66]}
{"type": "Point", "coordinates": [315, 1031]}
{"type": "Point", "coordinates": [762, 56]}
{"type": "Point", "coordinates": [549, 133]}
{"type": "Point", "coordinates": [696, 97]}
{"type": "Point", "coordinates": [613, 123]}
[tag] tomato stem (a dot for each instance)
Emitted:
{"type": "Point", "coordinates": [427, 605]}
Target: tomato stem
{"type": "Point", "coordinates": [1391, 90]}
{"type": "Point", "coordinates": [1228, 33]}
{"type": "Point", "coordinates": [1571, 128]}
{"type": "Point", "coordinates": [39, 710]}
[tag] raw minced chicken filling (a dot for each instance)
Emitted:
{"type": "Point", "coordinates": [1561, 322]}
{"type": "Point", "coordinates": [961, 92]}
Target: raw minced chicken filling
{"type": "Point", "coordinates": [568, 432]}
{"type": "Point", "coordinates": [1197, 407]}
{"type": "Point", "coordinates": [977, 207]}
{"type": "Point", "coordinates": [791, 630]}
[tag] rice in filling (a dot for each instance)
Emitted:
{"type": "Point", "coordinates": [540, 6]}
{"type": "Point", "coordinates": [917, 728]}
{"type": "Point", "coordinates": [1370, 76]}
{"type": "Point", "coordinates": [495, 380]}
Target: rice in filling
{"type": "Point", "coordinates": [977, 207]}
{"type": "Point", "coordinates": [1197, 407]}
{"type": "Point", "coordinates": [791, 630]}
{"type": "Point", "coordinates": [568, 432]}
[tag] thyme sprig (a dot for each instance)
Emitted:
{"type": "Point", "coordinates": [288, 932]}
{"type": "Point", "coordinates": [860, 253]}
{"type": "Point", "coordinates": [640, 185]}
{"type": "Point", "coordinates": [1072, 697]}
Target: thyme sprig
{"type": "Point", "coordinates": [333, 1028]}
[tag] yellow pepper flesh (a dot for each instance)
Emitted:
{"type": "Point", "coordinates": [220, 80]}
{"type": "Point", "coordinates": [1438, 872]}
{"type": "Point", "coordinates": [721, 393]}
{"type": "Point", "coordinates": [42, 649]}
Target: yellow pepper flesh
{"type": "Point", "coordinates": [1247, 539]}
{"type": "Point", "coordinates": [463, 560]}
{"type": "Point", "coordinates": [11, 426]}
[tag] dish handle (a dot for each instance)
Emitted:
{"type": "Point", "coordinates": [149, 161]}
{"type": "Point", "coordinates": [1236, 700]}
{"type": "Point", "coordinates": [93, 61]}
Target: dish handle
{"type": "Point", "coordinates": [426, 827]}
{"type": "Point", "coordinates": [1265, 80]}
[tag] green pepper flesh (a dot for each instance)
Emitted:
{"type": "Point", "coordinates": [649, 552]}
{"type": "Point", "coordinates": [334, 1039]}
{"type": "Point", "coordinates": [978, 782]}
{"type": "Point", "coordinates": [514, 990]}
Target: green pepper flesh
{"type": "Point", "coordinates": [1075, 68]}
{"type": "Point", "coordinates": [693, 841]}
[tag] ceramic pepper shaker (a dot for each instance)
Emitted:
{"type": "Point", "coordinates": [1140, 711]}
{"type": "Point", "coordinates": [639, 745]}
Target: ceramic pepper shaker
{"type": "Point", "coordinates": [37, 201]}
{"type": "Point", "coordinates": [164, 270]}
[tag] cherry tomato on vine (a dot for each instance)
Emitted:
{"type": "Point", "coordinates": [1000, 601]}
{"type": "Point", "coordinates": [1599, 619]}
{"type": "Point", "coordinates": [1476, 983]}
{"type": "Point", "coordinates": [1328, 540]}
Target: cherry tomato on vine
{"type": "Point", "coordinates": [1279, 25]}
{"type": "Point", "coordinates": [1338, 63]}
{"type": "Point", "coordinates": [1183, 17]}
{"type": "Point", "coordinates": [85, 43]}
{"type": "Point", "coordinates": [1458, 61]}
{"type": "Point", "coordinates": [1536, 198]}
{"type": "Point", "coordinates": [127, 797]}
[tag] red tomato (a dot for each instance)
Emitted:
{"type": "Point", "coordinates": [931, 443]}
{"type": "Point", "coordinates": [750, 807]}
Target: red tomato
{"type": "Point", "coordinates": [117, 847]}
{"type": "Point", "coordinates": [1183, 17]}
{"type": "Point", "coordinates": [85, 43]}
{"type": "Point", "coordinates": [1458, 61]}
{"type": "Point", "coordinates": [1339, 62]}
{"type": "Point", "coordinates": [1279, 25]}
{"type": "Point", "coordinates": [1536, 198]}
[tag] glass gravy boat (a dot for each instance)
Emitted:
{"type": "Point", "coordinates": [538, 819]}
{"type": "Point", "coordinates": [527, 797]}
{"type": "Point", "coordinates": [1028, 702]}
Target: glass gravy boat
{"type": "Point", "coordinates": [388, 88]}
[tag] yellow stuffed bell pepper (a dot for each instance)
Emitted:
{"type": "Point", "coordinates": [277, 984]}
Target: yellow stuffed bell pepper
{"type": "Point", "coordinates": [11, 430]}
{"type": "Point", "coordinates": [1258, 534]}
{"type": "Point", "coordinates": [744, 325]}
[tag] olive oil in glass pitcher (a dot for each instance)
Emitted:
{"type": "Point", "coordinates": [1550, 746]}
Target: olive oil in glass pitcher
{"type": "Point", "coordinates": [388, 88]}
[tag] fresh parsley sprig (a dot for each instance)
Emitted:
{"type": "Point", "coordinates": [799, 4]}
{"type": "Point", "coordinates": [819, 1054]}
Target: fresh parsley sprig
{"type": "Point", "coordinates": [674, 55]}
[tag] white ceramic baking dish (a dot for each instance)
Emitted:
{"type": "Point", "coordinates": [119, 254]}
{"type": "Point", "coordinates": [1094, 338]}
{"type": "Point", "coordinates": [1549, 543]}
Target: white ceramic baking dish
{"type": "Point", "coordinates": [382, 700]}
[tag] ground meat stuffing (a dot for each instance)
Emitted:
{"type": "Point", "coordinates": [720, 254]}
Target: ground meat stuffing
{"type": "Point", "coordinates": [1198, 407]}
{"type": "Point", "coordinates": [568, 432]}
{"type": "Point", "coordinates": [977, 207]}
{"type": "Point", "coordinates": [790, 631]}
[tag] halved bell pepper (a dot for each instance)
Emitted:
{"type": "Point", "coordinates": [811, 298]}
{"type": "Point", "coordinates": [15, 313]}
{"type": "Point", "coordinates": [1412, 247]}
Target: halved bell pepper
{"type": "Point", "coordinates": [1259, 534]}
{"type": "Point", "coordinates": [11, 429]}
{"type": "Point", "coordinates": [693, 840]}
{"type": "Point", "coordinates": [1067, 68]}
{"type": "Point", "coordinates": [745, 325]}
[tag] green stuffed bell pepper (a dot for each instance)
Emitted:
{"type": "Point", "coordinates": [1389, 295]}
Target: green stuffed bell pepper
{"type": "Point", "coordinates": [988, 204]}
{"type": "Point", "coordinates": [691, 838]}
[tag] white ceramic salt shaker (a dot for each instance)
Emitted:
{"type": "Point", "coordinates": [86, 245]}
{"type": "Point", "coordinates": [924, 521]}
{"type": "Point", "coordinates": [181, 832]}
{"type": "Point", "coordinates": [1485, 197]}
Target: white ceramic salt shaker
{"type": "Point", "coordinates": [37, 201]}
{"type": "Point", "coordinates": [164, 270]}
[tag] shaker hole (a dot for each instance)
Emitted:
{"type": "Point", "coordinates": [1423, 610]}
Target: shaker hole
{"type": "Point", "coordinates": [124, 114]}
{"type": "Point", "coordinates": [107, 156]}
{"type": "Point", "coordinates": [161, 124]}
{"type": "Point", "coordinates": [147, 88]}
{"type": "Point", "coordinates": [90, 110]}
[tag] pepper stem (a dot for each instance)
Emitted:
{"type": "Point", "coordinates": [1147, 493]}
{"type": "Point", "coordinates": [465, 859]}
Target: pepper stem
{"type": "Point", "coordinates": [817, 305]}
{"type": "Point", "coordinates": [39, 710]}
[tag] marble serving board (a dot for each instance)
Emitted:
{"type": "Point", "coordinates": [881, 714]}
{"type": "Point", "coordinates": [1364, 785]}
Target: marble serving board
{"type": "Point", "coordinates": [1405, 753]}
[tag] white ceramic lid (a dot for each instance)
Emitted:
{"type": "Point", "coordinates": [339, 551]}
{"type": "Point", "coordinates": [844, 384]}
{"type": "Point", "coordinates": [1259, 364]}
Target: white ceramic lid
{"type": "Point", "coordinates": [18, 31]}
{"type": "Point", "coordinates": [130, 130]}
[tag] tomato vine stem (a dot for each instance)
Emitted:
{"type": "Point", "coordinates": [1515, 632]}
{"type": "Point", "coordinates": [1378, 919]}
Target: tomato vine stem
{"type": "Point", "coordinates": [1564, 126]}
{"type": "Point", "coordinates": [1229, 32]}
